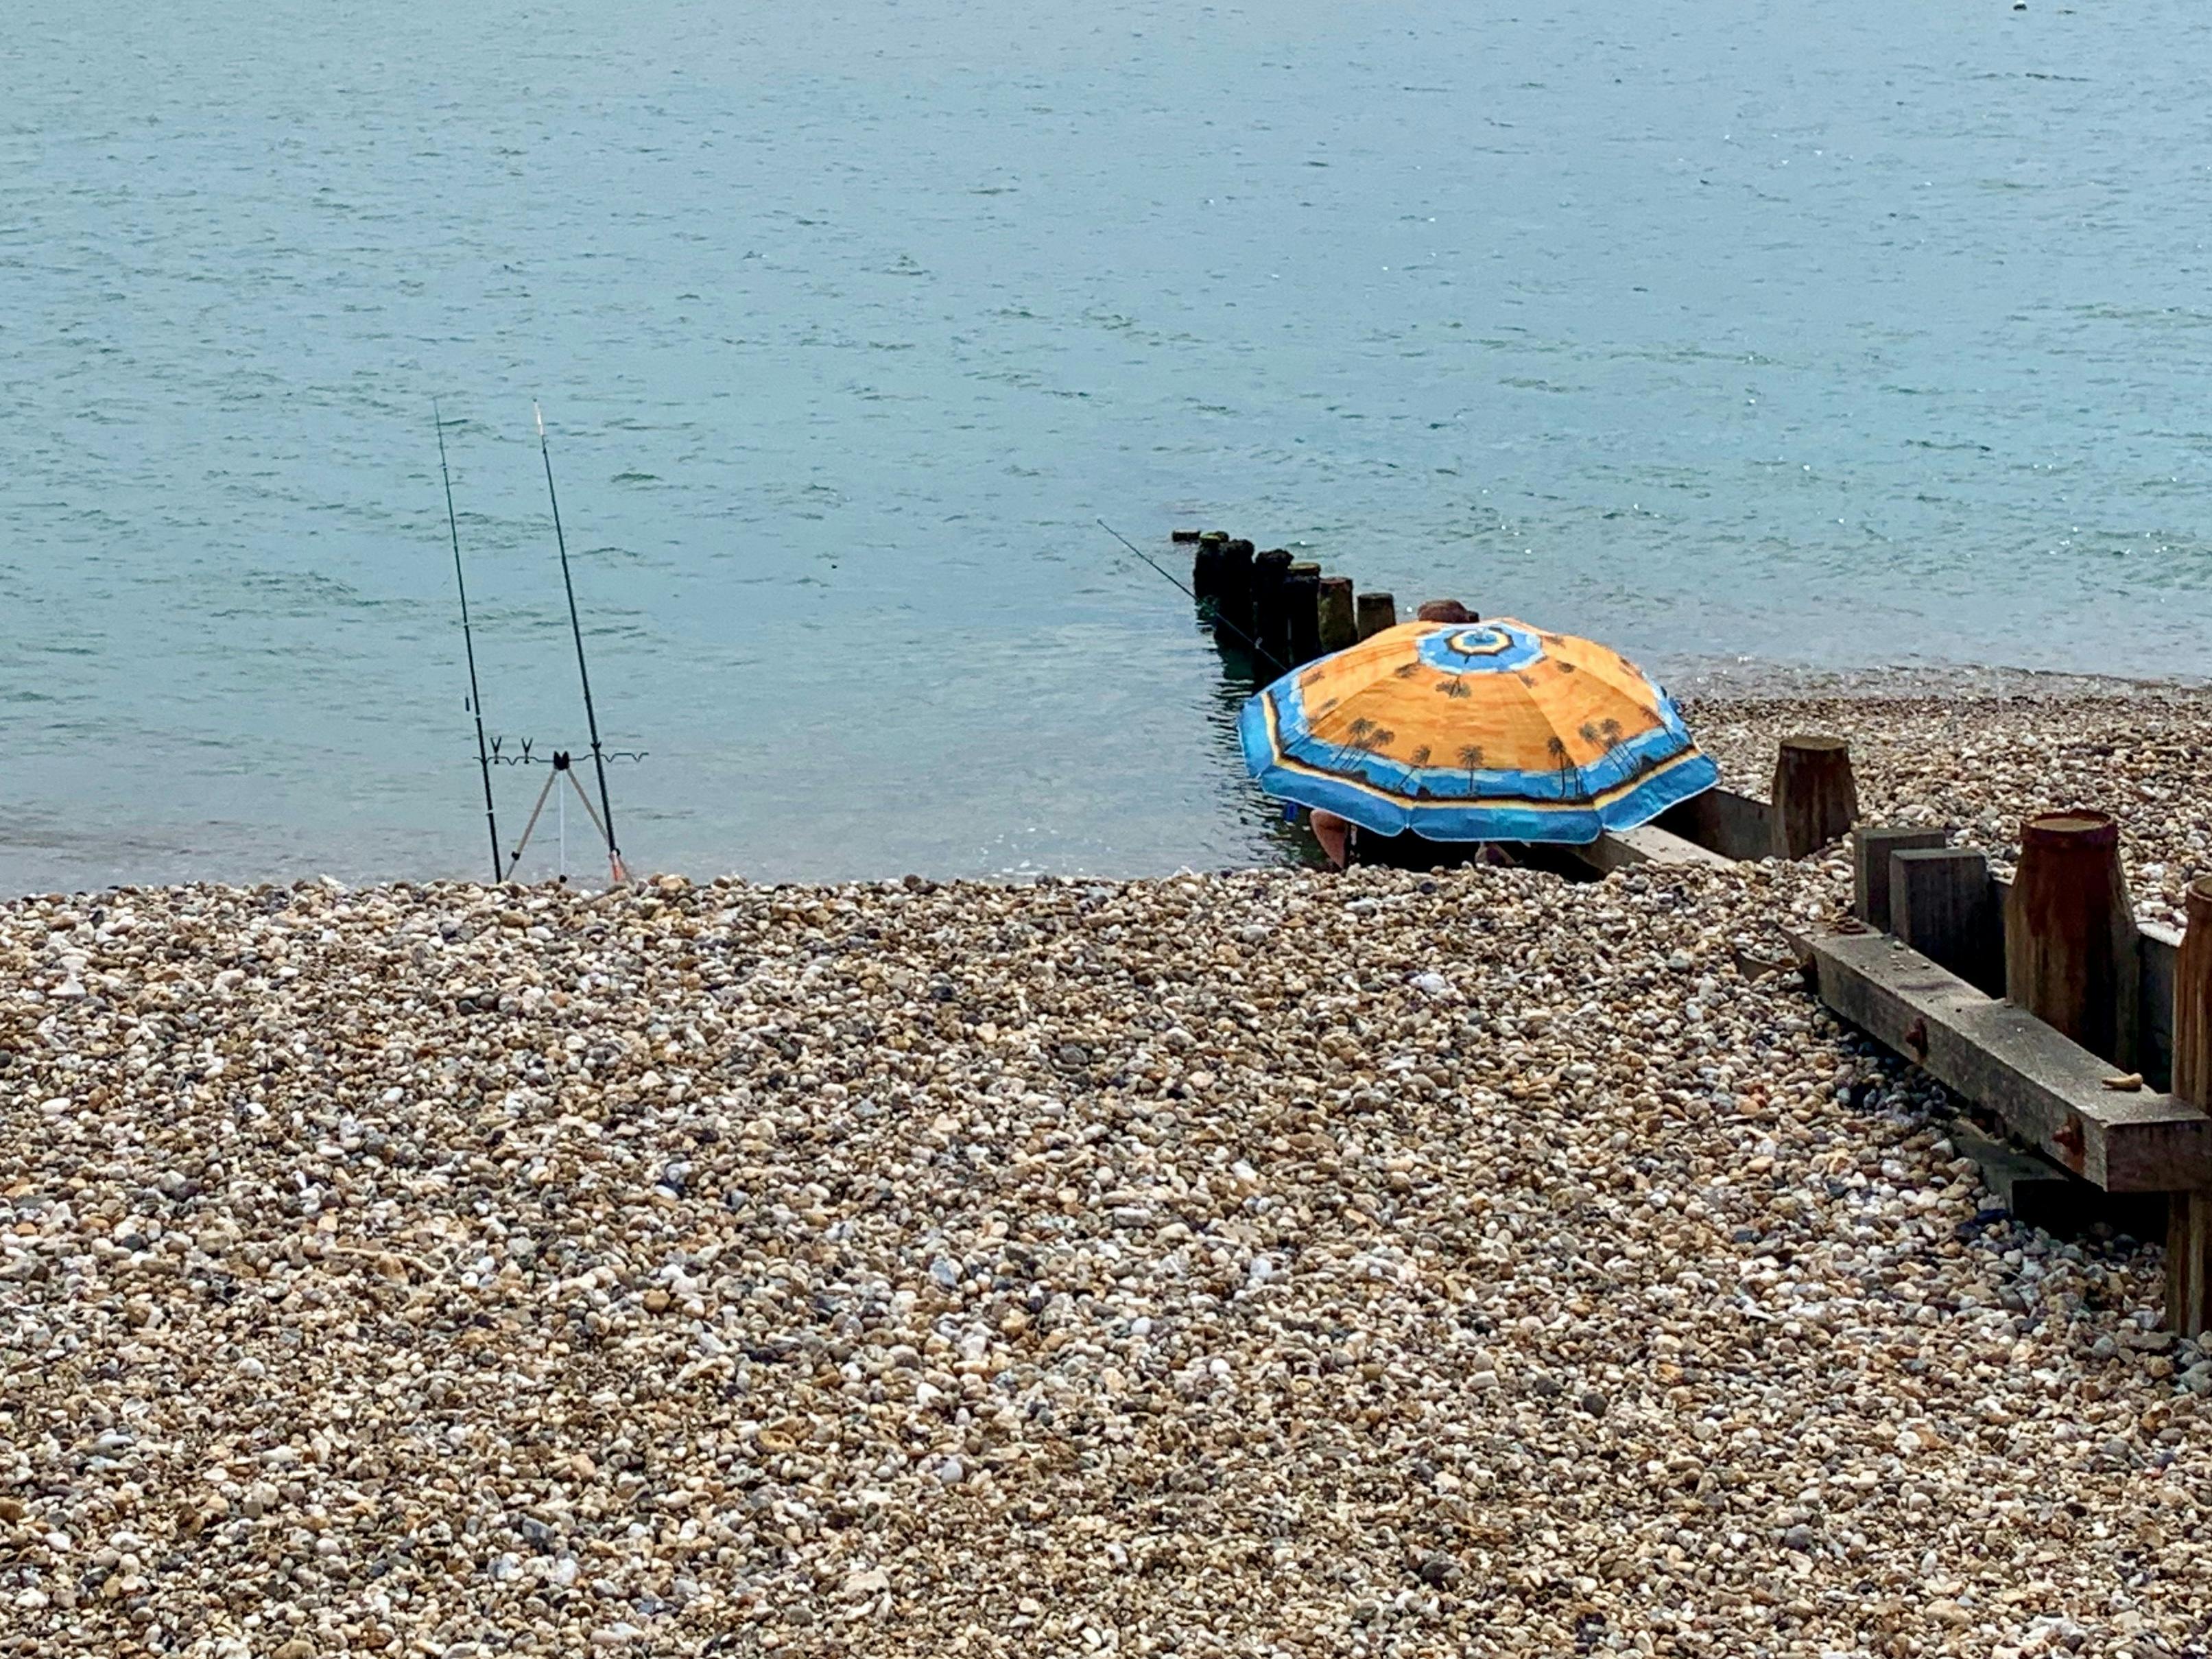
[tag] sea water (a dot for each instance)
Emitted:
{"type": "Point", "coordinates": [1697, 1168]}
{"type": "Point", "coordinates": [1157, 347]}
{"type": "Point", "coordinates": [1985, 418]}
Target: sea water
{"type": "Point", "coordinates": [1838, 335]}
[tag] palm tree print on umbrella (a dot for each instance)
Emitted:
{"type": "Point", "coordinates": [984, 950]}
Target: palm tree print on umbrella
{"type": "Point", "coordinates": [1414, 762]}
{"type": "Point", "coordinates": [1572, 785]}
{"type": "Point", "coordinates": [1364, 737]}
{"type": "Point", "coordinates": [1601, 734]}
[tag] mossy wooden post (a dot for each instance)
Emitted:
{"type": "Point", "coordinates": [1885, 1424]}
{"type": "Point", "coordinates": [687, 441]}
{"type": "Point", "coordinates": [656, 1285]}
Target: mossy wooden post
{"type": "Point", "coordinates": [1816, 799]}
{"type": "Point", "coordinates": [2069, 934]}
{"type": "Point", "coordinates": [1377, 612]}
{"type": "Point", "coordinates": [1302, 610]}
{"type": "Point", "coordinates": [1268, 570]}
{"type": "Point", "coordinates": [1338, 630]}
{"type": "Point", "coordinates": [2189, 1215]}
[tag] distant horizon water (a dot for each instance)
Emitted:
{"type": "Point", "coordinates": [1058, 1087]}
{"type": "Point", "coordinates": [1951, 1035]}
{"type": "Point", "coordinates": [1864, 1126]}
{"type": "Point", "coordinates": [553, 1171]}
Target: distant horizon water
{"type": "Point", "coordinates": [1823, 338]}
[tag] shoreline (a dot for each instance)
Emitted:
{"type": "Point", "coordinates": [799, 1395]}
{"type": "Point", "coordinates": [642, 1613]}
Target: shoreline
{"type": "Point", "coordinates": [1743, 679]}
{"type": "Point", "coordinates": [1735, 709]}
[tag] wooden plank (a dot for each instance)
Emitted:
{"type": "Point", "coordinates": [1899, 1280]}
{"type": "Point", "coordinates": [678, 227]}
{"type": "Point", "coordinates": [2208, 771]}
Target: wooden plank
{"type": "Point", "coordinates": [2158, 951]}
{"type": "Point", "coordinates": [1653, 845]}
{"type": "Point", "coordinates": [1722, 821]}
{"type": "Point", "coordinates": [1940, 903]}
{"type": "Point", "coordinates": [2047, 1090]}
{"type": "Point", "coordinates": [2037, 1192]}
{"type": "Point", "coordinates": [1648, 844]}
{"type": "Point", "coordinates": [2012, 1174]}
{"type": "Point", "coordinates": [1871, 846]}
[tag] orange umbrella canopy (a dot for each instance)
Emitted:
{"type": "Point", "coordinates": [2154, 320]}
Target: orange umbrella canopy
{"type": "Point", "coordinates": [1491, 731]}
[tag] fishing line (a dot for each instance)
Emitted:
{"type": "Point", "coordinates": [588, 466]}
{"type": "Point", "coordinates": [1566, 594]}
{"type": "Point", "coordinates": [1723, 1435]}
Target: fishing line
{"type": "Point", "coordinates": [1219, 620]}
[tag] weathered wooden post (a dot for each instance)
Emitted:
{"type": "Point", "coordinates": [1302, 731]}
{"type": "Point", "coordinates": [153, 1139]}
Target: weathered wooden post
{"type": "Point", "coordinates": [2189, 1215]}
{"type": "Point", "coordinates": [1941, 903]}
{"type": "Point", "coordinates": [2192, 999]}
{"type": "Point", "coordinates": [1338, 630]}
{"type": "Point", "coordinates": [2070, 935]}
{"type": "Point", "coordinates": [2189, 1261]}
{"type": "Point", "coordinates": [1816, 799]}
{"type": "Point", "coordinates": [1302, 609]}
{"type": "Point", "coordinates": [1236, 602]}
{"type": "Point", "coordinates": [1268, 617]}
{"type": "Point", "coordinates": [1871, 846]}
{"type": "Point", "coordinates": [1206, 567]}
{"type": "Point", "coordinates": [1377, 612]}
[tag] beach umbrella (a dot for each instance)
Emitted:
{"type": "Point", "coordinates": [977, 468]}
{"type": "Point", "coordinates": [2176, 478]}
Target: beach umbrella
{"type": "Point", "coordinates": [1491, 731]}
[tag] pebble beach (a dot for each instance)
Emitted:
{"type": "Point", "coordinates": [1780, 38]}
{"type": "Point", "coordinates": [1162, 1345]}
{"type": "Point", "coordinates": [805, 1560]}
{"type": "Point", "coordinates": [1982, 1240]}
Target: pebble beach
{"type": "Point", "coordinates": [1267, 1262]}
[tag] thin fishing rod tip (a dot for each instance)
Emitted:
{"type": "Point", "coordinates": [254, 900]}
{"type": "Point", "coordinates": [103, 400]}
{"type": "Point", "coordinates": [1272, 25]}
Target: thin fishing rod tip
{"type": "Point", "coordinates": [540, 414]}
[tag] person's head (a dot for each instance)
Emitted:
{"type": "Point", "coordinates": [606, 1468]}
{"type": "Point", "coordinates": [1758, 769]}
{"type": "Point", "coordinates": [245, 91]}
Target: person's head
{"type": "Point", "coordinates": [1446, 611]}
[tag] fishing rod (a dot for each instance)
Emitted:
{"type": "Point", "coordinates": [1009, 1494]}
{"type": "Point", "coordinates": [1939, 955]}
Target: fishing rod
{"type": "Point", "coordinates": [1219, 620]}
{"type": "Point", "coordinates": [468, 640]}
{"type": "Point", "coordinates": [591, 716]}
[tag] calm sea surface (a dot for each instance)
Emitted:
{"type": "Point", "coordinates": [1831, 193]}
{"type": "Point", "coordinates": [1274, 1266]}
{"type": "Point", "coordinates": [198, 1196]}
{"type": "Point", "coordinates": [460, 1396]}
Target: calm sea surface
{"type": "Point", "coordinates": [1839, 335]}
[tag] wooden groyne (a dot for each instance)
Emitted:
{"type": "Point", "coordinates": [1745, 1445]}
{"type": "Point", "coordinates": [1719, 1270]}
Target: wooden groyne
{"type": "Point", "coordinates": [1287, 612]}
{"type": "Point", "coordinates": [2042, 1002]}
{"type": "Point", "coordinates": [1292, 610]}
{"type": "Point", "coordinates": [2038, 999]}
